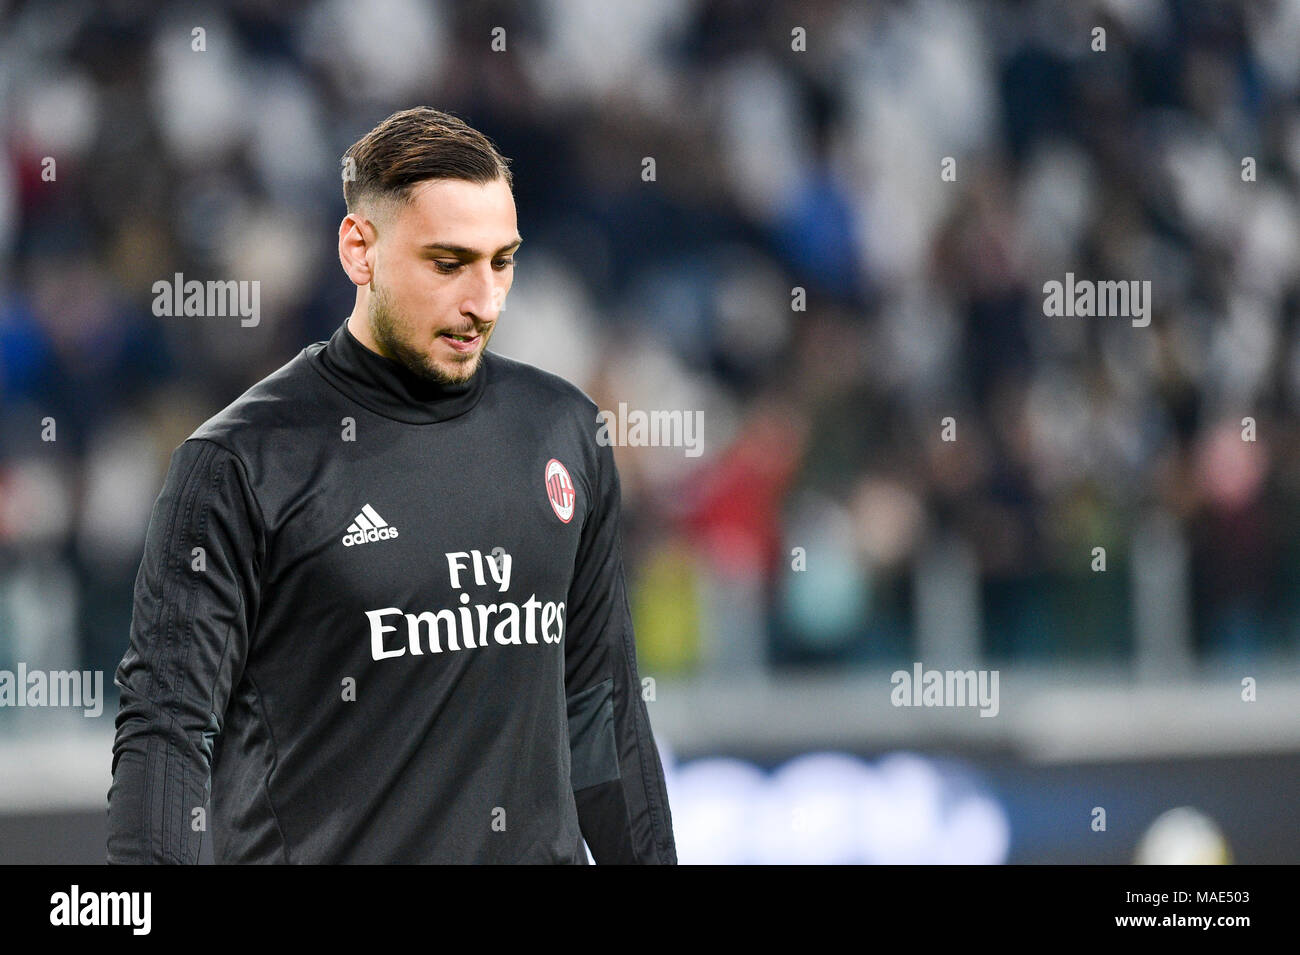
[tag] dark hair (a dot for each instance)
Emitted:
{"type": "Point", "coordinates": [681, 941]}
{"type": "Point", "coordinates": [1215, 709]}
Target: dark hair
{"type": "Point", "coordinates": [415, 145]}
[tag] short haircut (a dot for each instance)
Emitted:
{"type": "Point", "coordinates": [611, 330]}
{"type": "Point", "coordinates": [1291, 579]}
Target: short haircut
{"type": "Point", "coordinates": [414, 146]}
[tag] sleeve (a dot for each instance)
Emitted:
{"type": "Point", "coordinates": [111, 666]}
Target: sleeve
{"type": "Point", "coordinates": [618, 781]}
{"type": "Point", "coordinates": [195, 600]}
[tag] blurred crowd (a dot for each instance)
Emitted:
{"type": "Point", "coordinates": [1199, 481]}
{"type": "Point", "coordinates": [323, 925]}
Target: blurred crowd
{"type": "Point", "coordinates": [896, 437]}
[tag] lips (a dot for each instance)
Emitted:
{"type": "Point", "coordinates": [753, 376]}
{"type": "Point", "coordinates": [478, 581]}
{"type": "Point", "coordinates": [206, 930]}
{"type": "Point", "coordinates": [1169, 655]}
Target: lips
{"type": "Point", "coordinates": [463, 344]}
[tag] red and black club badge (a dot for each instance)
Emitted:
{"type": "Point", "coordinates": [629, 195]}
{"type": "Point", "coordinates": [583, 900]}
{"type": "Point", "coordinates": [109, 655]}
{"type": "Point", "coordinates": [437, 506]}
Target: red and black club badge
{"type": "Point", "coordinates": [559, 490]}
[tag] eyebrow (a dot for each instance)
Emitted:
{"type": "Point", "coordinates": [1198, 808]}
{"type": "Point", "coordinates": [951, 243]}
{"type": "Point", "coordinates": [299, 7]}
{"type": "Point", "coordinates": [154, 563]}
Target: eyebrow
{"type": "Point", "coordinates": [466, 253]}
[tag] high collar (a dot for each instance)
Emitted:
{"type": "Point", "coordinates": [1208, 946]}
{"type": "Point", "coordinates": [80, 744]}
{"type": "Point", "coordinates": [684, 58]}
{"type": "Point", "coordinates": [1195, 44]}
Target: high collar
{"type": "Point", "coordinates": [389, 388]}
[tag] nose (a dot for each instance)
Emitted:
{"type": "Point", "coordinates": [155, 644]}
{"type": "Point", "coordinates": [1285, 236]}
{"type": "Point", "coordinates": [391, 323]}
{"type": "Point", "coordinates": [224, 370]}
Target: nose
{"type": "Point", "coordinates": [486, 293]}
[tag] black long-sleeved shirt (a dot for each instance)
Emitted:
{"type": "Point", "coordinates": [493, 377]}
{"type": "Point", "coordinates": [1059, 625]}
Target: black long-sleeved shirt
{"type": "Point", "coordinates": [384, 620]}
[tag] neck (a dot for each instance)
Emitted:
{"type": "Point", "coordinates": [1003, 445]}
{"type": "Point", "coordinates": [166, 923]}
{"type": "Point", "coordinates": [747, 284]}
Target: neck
{"type": "Point", "coordinates": [359, 326]}
{"type": "Point", "coordinates": [388, 387]}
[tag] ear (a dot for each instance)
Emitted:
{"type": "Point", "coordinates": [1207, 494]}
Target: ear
{"type": "Point", "coordinates": [357, 239]}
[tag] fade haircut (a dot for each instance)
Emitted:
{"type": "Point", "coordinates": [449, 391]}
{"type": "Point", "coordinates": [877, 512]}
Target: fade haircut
{"type": "Point", "coordinates": [414, 146]}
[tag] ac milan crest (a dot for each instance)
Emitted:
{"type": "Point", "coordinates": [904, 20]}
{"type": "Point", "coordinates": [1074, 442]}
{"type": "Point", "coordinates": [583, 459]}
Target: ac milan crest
{"type": "Point", "coordinates": [559, 490]}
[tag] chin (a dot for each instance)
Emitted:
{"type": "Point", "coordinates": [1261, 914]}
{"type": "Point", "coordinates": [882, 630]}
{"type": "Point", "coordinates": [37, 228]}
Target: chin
{"type": "Point", "coordinates": [458, 371]}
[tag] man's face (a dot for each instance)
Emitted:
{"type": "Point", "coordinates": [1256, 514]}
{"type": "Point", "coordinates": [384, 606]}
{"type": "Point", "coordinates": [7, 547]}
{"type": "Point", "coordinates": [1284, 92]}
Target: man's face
{"type": "Point", "coordinates": [443, 266]}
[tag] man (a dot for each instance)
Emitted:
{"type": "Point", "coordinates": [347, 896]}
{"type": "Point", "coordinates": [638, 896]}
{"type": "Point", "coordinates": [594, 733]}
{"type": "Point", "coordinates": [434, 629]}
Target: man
{"type": "Point", "coordinates": [382, 597]}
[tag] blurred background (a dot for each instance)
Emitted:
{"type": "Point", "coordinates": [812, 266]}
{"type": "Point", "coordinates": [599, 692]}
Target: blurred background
{"type": "Point", "coordinates": [801, 274]}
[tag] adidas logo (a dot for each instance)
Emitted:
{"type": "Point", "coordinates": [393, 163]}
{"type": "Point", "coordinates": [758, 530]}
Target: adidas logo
{"type": "Point", "coordinates": [368, 526]}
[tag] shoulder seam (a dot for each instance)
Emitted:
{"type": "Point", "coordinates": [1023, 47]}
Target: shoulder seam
{"type": "Point", "coordinates": [248, 481]}
{"type": "Point", "coordinates": [548, 378]}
